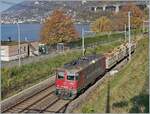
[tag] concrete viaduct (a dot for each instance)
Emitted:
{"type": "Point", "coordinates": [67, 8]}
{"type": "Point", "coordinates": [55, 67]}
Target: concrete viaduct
{"type": "Point", "coordinates": [116, 5]}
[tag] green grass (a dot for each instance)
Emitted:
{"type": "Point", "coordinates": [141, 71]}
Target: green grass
{"type": "Point", "coordinates": [105, 37]}
{"type": "Point", "coordinates": [16, 79]}
{"type": "Point", "coordinates": [128, 89]}
{"type": "Point", "coordinates": [10, 43]}
{"type": "Point", "coordinates": [99, 39]}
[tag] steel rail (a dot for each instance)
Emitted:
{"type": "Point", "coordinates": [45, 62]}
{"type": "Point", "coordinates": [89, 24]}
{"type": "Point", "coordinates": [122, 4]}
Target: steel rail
{"type": "Point", "coordinates": [7, 110]}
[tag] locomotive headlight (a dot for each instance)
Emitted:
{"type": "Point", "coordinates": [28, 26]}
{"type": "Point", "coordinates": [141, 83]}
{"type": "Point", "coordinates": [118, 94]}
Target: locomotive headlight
{"type": "Point", "coordinates": [59, 92]}
{"type": "Point", "coordinates": [93, 61]}
{"type": "Point", "coordinates": [57, 86]}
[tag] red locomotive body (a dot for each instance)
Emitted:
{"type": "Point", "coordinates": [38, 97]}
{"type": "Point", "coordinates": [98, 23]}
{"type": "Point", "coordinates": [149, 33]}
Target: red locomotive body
{"type": "Point", "coordinates": [78, 74]}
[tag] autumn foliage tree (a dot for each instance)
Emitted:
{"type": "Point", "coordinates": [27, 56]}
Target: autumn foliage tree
{"type": "Point", "coordinates": [58, 28]}
{"type": "Point", "coordinates": [136, 14]}
{"type": "Point", "coordinates": [102, 24]}
{"type": "Point", "coordinates": [121, 18]}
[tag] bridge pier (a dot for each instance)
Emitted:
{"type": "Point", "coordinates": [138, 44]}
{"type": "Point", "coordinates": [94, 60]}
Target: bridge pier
{"type": "Point", "coordinates": [104, 7]}
{"type": "Point", "coordinates": [95, 9]}
{"type": "Point", "coordinates": [148, 5]}
{"type": "Point", "coordinates": [116, 8]}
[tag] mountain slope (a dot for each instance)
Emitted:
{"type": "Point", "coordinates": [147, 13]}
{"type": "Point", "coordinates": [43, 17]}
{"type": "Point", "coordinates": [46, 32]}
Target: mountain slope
{"type": "Point", "coordinates": [41, 9]}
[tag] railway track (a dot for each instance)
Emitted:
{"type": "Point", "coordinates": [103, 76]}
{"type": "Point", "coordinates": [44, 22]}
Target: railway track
{"type": "Point", "coordinates": [30, 101]}
{"type": "Point", "coordinates": [50, 104]}
{"type": "Point", "coordinates": [43, 101]}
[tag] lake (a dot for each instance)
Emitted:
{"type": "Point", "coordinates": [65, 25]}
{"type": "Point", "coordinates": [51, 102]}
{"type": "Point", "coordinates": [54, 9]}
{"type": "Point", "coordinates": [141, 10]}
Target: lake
{"type": "Point", "coordinates": [30, 32]}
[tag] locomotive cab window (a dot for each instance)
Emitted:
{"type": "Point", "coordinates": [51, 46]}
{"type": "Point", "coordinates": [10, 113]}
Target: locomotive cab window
{"type": "Point", "coordinates": [71, 77]}
{"type": "Point", "coordinates": [60, 75]}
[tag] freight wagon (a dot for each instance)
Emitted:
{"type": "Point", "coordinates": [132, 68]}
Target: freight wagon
{"type": "Point", "coordinates": [121, 53]}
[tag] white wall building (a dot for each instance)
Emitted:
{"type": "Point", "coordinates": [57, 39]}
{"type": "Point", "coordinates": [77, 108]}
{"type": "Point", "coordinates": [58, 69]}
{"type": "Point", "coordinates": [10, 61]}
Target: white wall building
{"type": "Point", "coordinates": [10, 50]}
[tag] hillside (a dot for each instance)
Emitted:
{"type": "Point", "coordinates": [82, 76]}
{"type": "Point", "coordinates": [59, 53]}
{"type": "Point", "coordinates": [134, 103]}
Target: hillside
{"type": "Point", "coordinates": [41, 9]}
{"type": "Point", "coordinates": [80, 11]}
{"type": "Point", "coordinates": [128, 88]}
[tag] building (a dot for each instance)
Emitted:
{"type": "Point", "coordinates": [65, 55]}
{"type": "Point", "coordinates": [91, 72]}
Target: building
{"type": "Point", "coordinates": [33, 48]}
{"type": "Point", "coordinates": [10, 50]}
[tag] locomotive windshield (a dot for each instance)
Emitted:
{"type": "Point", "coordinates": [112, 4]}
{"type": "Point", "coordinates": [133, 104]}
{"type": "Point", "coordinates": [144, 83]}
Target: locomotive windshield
{"type": "Point", "coordinates": [60, 75]}
{"type": "Point", "coordinates": [70, 77]}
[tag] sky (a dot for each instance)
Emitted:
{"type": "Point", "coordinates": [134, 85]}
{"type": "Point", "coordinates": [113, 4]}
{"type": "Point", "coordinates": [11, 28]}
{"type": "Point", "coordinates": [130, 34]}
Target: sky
{"type": "Point", "coordinates": [5, 6]}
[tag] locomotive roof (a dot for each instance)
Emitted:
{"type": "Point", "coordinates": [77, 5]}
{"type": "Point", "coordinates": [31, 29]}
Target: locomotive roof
{"type": "Point", "coordinates": [82, 62]}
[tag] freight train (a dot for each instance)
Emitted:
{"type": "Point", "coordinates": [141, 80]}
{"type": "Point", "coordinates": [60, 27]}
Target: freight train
{"type": "Point", "coordinates": [76, 75]}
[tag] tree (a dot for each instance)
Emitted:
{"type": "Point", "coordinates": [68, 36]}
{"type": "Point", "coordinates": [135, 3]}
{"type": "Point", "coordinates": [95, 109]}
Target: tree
{"type": "Point", "coordinates": [146, 12]}
{"type": "Point", "coordinates": [102, 24]}
{"type": "Point", "coordinates": [121, 18]}
{"type": "Point", "coordinates": [136, 15]}
{"type": "Point", "coordinates": [58, 28]}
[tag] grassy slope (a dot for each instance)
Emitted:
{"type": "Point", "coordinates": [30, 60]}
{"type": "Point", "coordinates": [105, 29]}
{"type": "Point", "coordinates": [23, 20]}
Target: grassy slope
{"type": "Point", "coordinates": [99, 39]}
{"type": "Point", "coordinates": [102, 38]}
{"type": "Point", "coordinates": [128, 89]}
{"type": "Point", "coordinates": [16, 79]}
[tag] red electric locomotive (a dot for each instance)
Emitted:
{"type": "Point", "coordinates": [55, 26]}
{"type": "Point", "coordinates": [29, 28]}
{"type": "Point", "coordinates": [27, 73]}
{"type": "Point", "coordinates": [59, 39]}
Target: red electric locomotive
{"type": "Point", "coordinates": [78, 74]}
